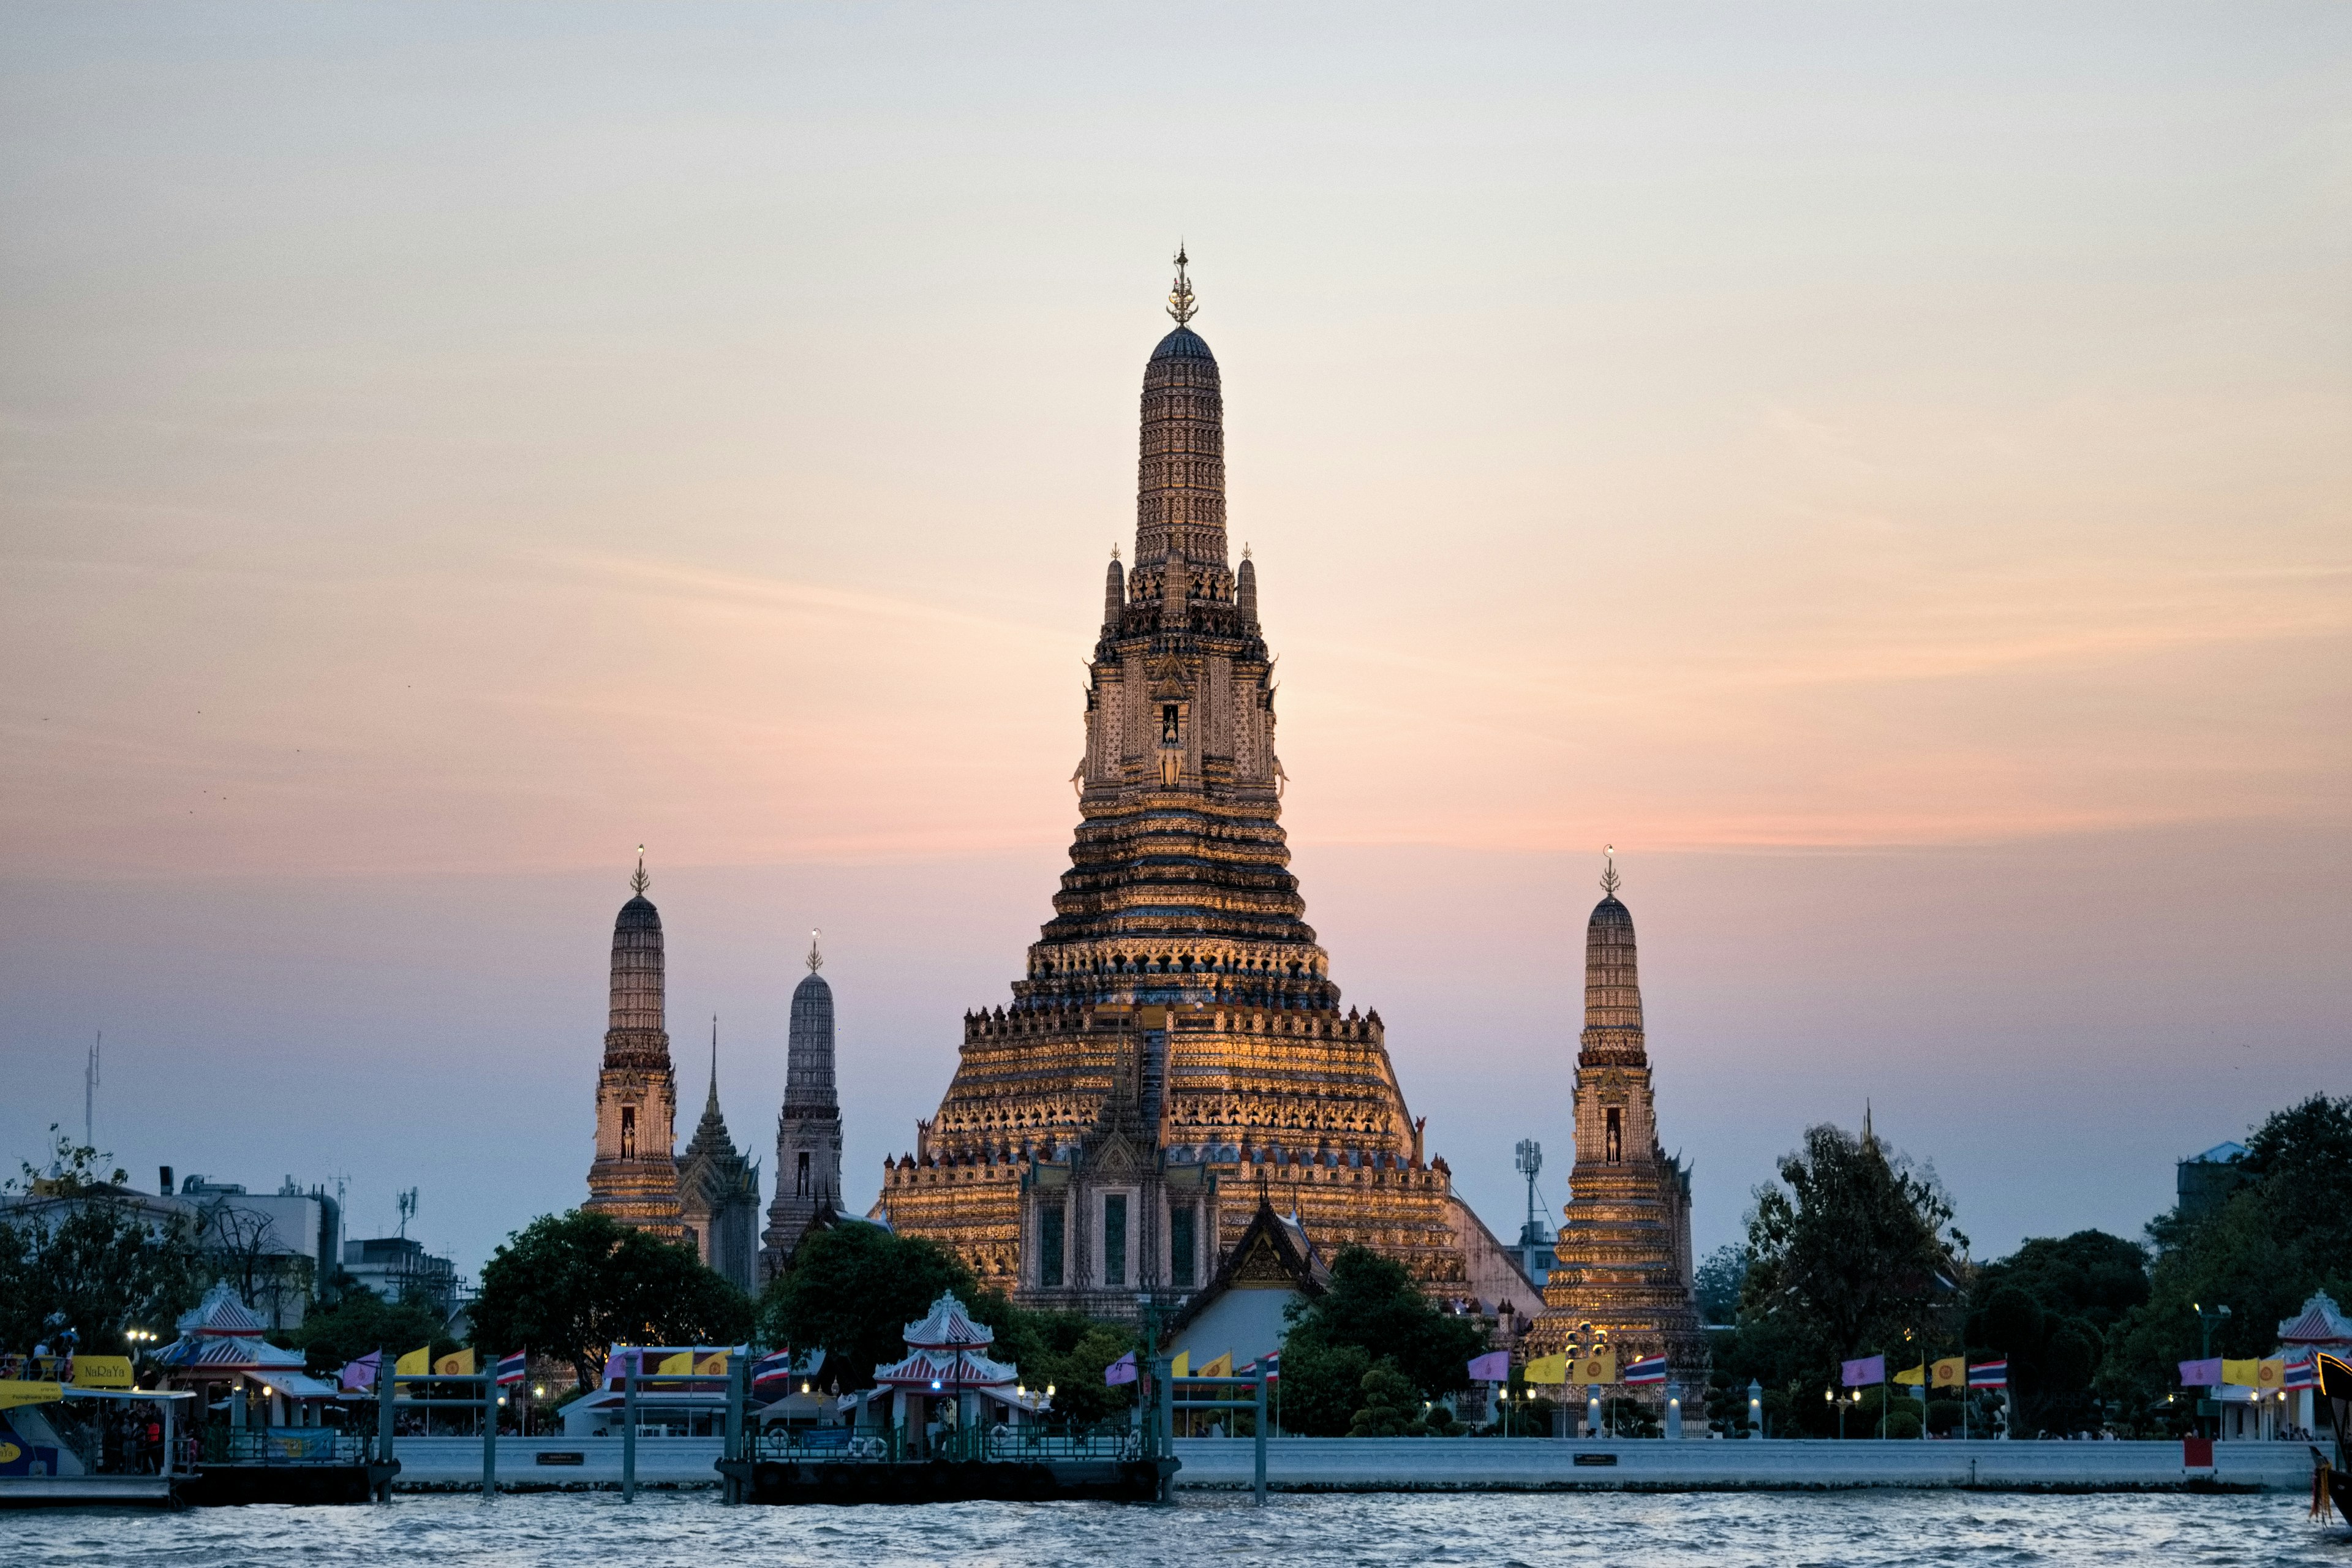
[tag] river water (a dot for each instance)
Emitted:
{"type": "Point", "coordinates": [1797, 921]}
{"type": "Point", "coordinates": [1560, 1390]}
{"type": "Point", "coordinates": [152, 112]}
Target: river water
{"type": "Point", "coordinates": [1716, 1530]}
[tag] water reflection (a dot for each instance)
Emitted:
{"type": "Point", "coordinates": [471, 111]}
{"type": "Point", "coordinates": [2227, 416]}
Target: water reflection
{"type": "Point", "coordinates": [692, 1529]}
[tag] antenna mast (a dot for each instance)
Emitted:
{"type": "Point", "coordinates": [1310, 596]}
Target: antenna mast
{"type": "Point", "coordinates": [90, 1093]}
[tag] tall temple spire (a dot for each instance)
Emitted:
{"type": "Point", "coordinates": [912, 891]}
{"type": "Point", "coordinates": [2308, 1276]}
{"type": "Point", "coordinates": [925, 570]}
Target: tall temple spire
{"type": "Point", "coordinates": [1180, 503]}
{"type": "Point", "coordinates": [719, 1191]}
{"type": "Point", "coordinates": [1175, 1031]}
{"type": "Point", "coordinates": [1623, 1258]}
{"type": "Point", "coordinates": [808, 1127]}
{"type": "Point", "coordinates": [635, 1175]}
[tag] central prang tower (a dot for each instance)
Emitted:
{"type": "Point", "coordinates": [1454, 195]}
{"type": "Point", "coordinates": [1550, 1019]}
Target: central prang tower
{"type": "Point", "coordinates": [1176, 1041]}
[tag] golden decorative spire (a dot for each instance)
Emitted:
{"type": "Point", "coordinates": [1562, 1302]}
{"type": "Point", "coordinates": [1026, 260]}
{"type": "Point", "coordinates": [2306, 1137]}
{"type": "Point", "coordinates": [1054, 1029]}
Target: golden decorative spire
{"type": "Point", "coordinates": [1609, 879]}
{"type": "Point", "coordinates": [640, 882]}
{"type": "Point", "coordinates": [815, 959]}
{"type": "Point", "coordinates": [1179, 299]}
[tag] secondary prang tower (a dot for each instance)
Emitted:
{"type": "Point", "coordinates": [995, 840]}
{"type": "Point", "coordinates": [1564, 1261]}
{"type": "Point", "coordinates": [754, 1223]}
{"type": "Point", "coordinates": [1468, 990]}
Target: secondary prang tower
{"type": "Point", "coordinates": [1623, 1274]}
{"type": "Point", "coordinates": [634, 1176]}
{"type": "Point", "coordinates": [1176, 1039]}
{"type": "Point", "coordinates": [808, 1128]}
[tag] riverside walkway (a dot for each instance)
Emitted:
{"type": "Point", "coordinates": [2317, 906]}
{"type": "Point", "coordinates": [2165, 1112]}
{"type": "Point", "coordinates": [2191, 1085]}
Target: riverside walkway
{"type": "Point", "coordinates": [1544, 1463]}
{"type": "Point", "coordinates": [1481, 1463]}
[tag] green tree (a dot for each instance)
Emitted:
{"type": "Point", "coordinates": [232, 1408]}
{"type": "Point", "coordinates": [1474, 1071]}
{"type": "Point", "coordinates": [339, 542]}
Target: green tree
{"type": "Point", "coordinates": [1850, 1252]}
{"type": "Point", "coordinates": [569, 1285]}
{"type": "Point", "coordinates": [80, 1252]}
{"type": "Point", "coordinates": [2049, 1308]}
{"type": "Point", "coordinates": [361, 1322]}
{"type": "Point", "coordinates": [1389, 1406]}
{"type": "Point", "coordinates": [1066, 1352]}
{"type": "Point", "coordinates": [852, 1290]}
{"type": "Point", "coordinates": [1721, 1274]}
{"type": "Point", "coordinates": [2284, 1234]}
{"type": "Point", "coordinates": [1372, 1303]}
{"type": "Point", "coordinates": [1321, 1386]}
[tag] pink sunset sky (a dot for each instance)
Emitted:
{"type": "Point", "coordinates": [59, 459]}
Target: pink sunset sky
{"type": "Point", "coordinates": [1886, 470]}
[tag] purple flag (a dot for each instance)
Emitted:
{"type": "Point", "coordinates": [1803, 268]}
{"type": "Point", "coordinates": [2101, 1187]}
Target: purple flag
{"type": "Point", "coordinates": [2200, 1374]}
{"type": "Point", "coordinates": [359, 1376]}
{"type": "Point", "coordinates": [1120, 1371]}
{"type": "Point", "coordinates": [1869, 1369]}
{"type": "Point", "coordinates": [1494, 1366]}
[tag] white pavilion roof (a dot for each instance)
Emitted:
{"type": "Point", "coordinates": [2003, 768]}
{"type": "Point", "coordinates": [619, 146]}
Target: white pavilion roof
{"type": "Point", "coordinates": [950, 1324]}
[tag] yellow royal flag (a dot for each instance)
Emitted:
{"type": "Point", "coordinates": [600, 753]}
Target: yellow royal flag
{"type": "Point", "coordinates": [1600, 1367]}
{"type": "Point", "coordinates": [456, 1364]}
{"type": "Point", "coordinates": [1220, 1367]}
{"type": "Point", "coordinates": [15, 1391]}
{"type": "Point", "coordinates": [1546, 1369]}
{"type": "Point", "coordinates": [2240, 1374]}
{"type": "Point", "coordinates": [712, 1365]}
{"type": "Point", "coordinates": [112, 1371]}
{"type": "Point", "coordinates": [1183, 1366]}
{"type": "Point", "coordinates": [675, 1366]}
{"type": "Point", "coordinates": [1913, 1377]}
{"type": "Point", "coordinates": [1952, 1372]}
{"type": "Point", "coordinates": [418, 1361]}
{"type": "Point", "coordinates": [2269, 1374]}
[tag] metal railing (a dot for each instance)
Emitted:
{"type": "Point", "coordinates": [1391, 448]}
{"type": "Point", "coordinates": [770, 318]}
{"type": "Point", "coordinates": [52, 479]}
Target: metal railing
{"type": "Point", "coordinates": [283, 1446]}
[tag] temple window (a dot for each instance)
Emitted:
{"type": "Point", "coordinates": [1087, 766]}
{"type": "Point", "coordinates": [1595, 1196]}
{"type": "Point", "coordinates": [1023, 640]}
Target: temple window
{"type": "Point", "coordinates": [1115, 1239]}
{"type": "Point", "coordinates": [1616, 1137]}
{"type": "Point", "coordinates": [1181, 1265]}
{"type": "Point", "coordinates": [802, 1190]}
{"type": "Point", "coordinates": [628, 1132]}
{"type": "Point", "coordinates": [1049, 1246]}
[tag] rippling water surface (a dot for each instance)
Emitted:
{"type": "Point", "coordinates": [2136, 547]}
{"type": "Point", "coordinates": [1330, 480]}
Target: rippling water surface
{"type": "Point", "coordinates": [693, 1530]}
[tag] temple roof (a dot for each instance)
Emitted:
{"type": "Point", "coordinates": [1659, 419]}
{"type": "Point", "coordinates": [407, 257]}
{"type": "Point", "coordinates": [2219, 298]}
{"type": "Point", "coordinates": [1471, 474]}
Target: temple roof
{"type": "Point", "coordinates": [1183, 343]}
{"type": "Point", "coordinates": [1272, 1253]}
{"type": "Point", "coordinates": [638, 914]}
{"type": "Point", "coordinates": [220, 1312]}
{"type": "Point", "coordinates": [2319, 1324]}
{"type": "Point", "coordinates": [960, 1369]}
{"type": "Point", "coordinates": [950, 1324]}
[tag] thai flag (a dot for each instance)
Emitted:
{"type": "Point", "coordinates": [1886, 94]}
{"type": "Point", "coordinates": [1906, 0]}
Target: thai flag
{"type": "Point", "coordinates": [772, 1373]}
{"type": "Point", "coordinates": [513, 1368]}
{"type": "Point", "coordinates": [1649, 1368]}
{"type": "Point", "coordinates": [2303, 1374]}
{"type": "Point", "coordinates": [1988, 1373]}
{"type": "Point", "coordinates": [1273, 1364]}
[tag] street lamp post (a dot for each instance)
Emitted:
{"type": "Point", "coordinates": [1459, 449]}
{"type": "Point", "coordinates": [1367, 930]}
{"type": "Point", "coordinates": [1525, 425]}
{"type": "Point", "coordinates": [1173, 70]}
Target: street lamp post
{"type": "Point", "coordinates": [2206, 1318]}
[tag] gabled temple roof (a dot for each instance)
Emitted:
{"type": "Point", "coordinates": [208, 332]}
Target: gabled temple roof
{"type": "Point", "coordinates": [1272, 1253]}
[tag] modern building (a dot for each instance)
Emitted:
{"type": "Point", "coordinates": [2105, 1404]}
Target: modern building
{"type": "Point", "coordinates": [1176, 1034]}
{"type": "Point", "coordinates": [2203, 1183]}
{"type": "Point", "coordinates": [1622, 1274]}
{"type": "Point", "coordinates": [718, 1192]}
{"type": "Point", "coordinates": [635, 1175]}
{"type": "Point", "coordinates": [808, 1128]}
{"type": "Point", "coordinates": [400, 1269]}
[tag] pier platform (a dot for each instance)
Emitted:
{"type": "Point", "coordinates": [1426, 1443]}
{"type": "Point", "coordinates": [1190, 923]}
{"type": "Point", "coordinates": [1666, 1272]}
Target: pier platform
{"type": "Point", "coordinates": [1546, 1464]}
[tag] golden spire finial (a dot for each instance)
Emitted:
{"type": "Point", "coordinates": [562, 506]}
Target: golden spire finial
{"type": "Point", "coordinates": [640, 882]}
{"type": "Point", "coordinates": [1179, 299]}
{"type": "Point", "coordinates": [1113, 550]}
{"type": "Point", "coordinates": [1609, 879]}
{"type": "Point", "coordinates": [815, 959]}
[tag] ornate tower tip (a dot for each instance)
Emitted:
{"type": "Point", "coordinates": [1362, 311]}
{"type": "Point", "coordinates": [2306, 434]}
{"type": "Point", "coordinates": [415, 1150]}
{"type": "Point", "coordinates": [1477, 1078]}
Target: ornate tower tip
{"type": "Point", "coordinates": [640, 882]}
{"type": "Point", "coordinates": [815, 959]}
{"type": "Point", "coordinates": [1609, 881]}
{"type": "Point", "coordinates": [1113, 550]}
{"type": "Point", "coordinates": [1180, 298]}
